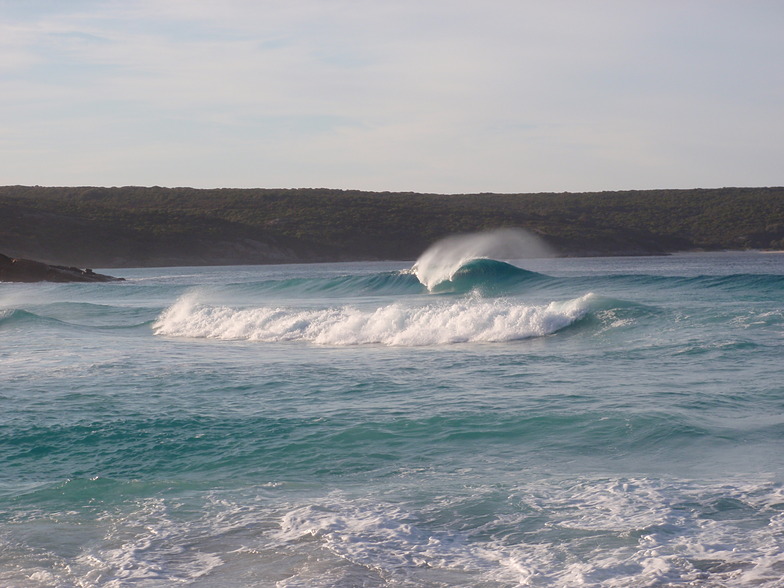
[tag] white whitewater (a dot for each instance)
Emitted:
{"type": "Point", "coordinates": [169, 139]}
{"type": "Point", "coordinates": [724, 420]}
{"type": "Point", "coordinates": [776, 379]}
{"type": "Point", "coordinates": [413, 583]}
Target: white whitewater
{"type": "Point", "coordinates": [446, 322]}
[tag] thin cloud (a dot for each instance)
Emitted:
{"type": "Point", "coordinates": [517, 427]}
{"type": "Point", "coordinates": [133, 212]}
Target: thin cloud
{"type": "Point", "coordinates": [428, 96]}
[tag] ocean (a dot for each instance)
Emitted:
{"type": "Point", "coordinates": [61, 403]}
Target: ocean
{"type": "Point", "coordinates": [608, 422]}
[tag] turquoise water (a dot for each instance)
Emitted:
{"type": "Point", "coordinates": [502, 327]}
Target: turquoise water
{"type": "Point", "coordinates": [543, 422]}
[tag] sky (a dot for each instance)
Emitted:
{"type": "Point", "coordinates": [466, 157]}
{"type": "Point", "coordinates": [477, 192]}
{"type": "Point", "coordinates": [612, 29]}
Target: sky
{"type": "Point", "coordinates": [445, 96]}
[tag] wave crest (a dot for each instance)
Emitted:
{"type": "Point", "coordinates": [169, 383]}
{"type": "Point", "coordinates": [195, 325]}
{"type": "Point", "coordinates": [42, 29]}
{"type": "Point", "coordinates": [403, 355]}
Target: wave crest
{"type": "Point", "coordinates": [442, 261]}
{"type": "Point", "coordinates": [461, 321]}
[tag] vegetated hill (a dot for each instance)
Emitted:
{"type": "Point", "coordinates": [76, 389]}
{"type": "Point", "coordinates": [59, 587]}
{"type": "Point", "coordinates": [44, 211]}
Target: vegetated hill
{"type": "Point", "coordinates": [137, 226]}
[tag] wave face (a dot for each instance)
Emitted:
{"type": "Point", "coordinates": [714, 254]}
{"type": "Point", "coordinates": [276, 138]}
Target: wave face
{"type": "Point", "coordinates": [487, 277]}
{"type": "Point", "coordinates": [11, 316]}
{"type": "Point", "coordinates": [485, 420]}
{"type": "Point", "coordinates": [376, 284]}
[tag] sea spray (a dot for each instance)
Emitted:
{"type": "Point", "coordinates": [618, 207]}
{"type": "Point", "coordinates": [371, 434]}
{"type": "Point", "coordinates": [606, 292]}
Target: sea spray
{"type": "Point", "coordinates": [443, 259]}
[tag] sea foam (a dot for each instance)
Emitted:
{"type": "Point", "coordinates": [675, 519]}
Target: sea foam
{"type": "Point", "coordinates": [465, 320]}
{"type": "Point", "coordinates": [664, 533]}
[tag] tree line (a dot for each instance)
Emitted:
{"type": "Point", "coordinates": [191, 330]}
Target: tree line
{"type": "Point", "coordinates": [160, 226]}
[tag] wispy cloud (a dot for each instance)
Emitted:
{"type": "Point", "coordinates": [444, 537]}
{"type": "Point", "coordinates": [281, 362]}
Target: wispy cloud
{"type": "Point", "coordinates": [431, 96]}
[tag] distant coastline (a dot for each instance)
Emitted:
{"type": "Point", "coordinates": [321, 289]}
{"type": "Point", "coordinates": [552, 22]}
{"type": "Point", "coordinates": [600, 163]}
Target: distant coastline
{"type": "Point", "coordinates": [153, 226]}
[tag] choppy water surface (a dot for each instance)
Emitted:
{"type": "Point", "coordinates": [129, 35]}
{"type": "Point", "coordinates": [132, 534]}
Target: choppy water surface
{"type": "Point", "coordinates": [476, 422]}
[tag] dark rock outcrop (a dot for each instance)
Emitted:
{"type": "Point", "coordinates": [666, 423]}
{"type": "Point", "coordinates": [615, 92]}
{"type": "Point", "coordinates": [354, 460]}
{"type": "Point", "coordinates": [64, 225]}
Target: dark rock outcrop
{"type": "Point", "coordinates": [27, 270]}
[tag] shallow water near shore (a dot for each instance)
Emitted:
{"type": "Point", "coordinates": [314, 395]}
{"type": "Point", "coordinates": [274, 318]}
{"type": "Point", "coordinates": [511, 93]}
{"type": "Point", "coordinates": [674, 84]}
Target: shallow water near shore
{"type": "Point", "coordinates": [542, 422]}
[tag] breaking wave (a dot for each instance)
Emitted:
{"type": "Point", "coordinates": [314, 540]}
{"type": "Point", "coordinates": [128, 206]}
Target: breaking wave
{"type": "Point", "coordinates": [469, 319]}
{"type": "Point", "coordinates": [461, 256]}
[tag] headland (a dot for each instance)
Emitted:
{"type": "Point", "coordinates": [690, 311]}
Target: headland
{"type": "Point", "coordinates": [152, 226]}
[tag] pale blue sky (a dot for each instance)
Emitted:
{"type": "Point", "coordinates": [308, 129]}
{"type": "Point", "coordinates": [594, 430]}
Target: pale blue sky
{"type": "Point", "coordinates": [421, 95]}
